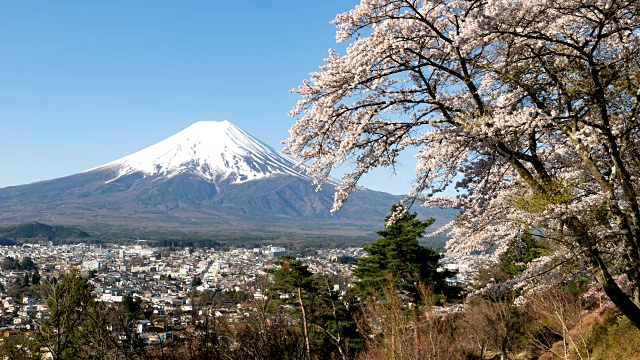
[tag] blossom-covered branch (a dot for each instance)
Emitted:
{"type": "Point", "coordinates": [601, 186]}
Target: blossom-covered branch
{"type": "Point", "coordinates": [529, 108]}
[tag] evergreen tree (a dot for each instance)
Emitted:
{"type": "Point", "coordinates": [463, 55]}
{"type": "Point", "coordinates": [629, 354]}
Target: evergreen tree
{"type": "Point", "coordinates": [26, 264]}
{"type": "Point", "coordinates": [293, 277]}
{"type": "Point", "coordinates": [9, 263]}
{"type": "Point", "coordinates": [398, 257]}
{"type": "Point", "coordinates": [131, 307]}
{"type": "Point", "coordinates": [339, 333]}
{"type": "Point", "coordinates": [195, 282]}
{"type": "Point", "coordinates": [63, 334]}
{"type": "Point", "coordinates": [327, 322]}
{"type": "Point", "coordinates": [521, 252]}
{"type": "Point", "coordinates": [35, 278]}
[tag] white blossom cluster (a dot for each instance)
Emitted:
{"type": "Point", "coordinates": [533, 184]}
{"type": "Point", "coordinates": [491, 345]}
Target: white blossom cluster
{"type": "Point", "coordinates": [529, 109]}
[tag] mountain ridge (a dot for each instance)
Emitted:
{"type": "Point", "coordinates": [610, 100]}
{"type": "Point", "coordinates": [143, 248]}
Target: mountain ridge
{"type": "Point", "coordinates": [211, 176]}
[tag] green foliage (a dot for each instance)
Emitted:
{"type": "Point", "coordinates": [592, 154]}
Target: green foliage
{"type": "Point", "coordinates": [291, 275]}
{"type": "Point", "coordinates": [234, 296]}
{"type": "Point", "coordinates": [510, 264]}
{"type": "Point", "coordinates": [329, 321]}
{"type": "Point", "coordinates": [63, 333]}
{"type": "Point", "coordinates": [615, 338]}
{"type": "Point", "coordinates": [36, 230]}
{"type": "Point", "coordinates": [339, 333]}
{"type": "Point", "coordinates": [131, 307]}
{"type": "Point", "coordinates": [196, 281]}
{"type": "Point", "coordinates": [521, 252]}
{"type": "Point", "coordinates": [18, 347]}
{"type": "Point", "coordinates": [10, 263]}
{"type": "Point", "coordinates": [27, 263]}
{"type": "Point", "coordinates": [346, 260]}
{"type": "Point", "coordinates": [397, 255]}
{"type": "Point", "coordinates": [7, 242]}
{"type": "Point", "coordinates": [556, 193]}
{"type": "Point", "coordinates": [35, 278]}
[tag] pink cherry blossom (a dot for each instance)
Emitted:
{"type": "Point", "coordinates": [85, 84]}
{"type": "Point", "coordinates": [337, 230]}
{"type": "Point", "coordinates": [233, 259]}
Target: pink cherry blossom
{"type": "Point", "coordinates": [528, 109]}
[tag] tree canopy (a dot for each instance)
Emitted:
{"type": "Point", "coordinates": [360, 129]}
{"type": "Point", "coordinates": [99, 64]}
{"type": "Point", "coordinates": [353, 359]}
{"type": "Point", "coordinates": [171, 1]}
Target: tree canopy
{"type": "Point", "coordinates": [528, 108]}
{"type": "Point", "coordinates": [63, 333]}
{"type": "Point", "coordinates": [10, 263]}
{"type": "Point", "coordinates": [327, 322]}
{"type": "Point", "coordinates": [398, 257]}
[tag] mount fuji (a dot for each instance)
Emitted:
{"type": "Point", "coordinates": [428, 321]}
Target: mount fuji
{"type": "Point", "coordinates": [214, 151]}
{"type": "Point", "coordinates": [212, 178]}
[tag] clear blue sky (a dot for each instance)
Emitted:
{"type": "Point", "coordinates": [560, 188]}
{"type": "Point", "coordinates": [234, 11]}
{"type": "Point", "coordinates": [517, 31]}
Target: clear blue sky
{"type": "Point", "coordinates": [83, 83]}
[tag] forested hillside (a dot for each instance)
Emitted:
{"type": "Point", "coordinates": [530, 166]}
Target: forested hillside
{"type": "Point", "coordinates": [36, 230]}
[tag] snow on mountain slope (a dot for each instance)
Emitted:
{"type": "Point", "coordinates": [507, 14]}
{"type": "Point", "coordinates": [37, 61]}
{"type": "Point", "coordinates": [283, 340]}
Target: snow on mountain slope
{"type": "Point", "coordinates": [210, 149]}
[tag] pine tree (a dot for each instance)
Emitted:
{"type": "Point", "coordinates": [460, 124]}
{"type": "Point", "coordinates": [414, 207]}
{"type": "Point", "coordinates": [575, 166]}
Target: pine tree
{"type": "Point", "coordinates": [195, 282]}
{"type": "Point", "coordinates": [63, 333]}
{"type": "Point", "coordinates": [328, 327]}
{"type": "Point", "coordinates": [398, 257]}
{"type": "Point", "coordinates": [35, 277]}
{"type": "Point", "coordinates": [294, 277]}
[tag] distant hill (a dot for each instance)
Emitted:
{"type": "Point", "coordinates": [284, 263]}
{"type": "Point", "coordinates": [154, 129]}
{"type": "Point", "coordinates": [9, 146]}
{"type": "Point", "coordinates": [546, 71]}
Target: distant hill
{"type": "Point", "coordinates": [36, 230]}
{"type": "Point", "coordinates": [7, 242]}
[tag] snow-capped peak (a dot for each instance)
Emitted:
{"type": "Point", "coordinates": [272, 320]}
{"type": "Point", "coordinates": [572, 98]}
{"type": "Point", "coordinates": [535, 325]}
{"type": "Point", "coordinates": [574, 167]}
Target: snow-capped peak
{"type": "Point", "coordinates": [214, 150]}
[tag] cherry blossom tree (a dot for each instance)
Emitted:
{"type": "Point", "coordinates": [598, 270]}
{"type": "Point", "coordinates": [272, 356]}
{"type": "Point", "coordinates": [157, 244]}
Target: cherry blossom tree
{"type": "Point", "coordinates": [529, 108]}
